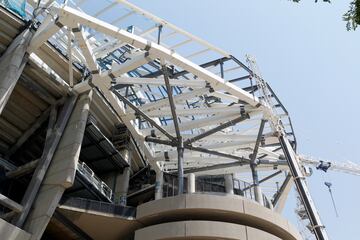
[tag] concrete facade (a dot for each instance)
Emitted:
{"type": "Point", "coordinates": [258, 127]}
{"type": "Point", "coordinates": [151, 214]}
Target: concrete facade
{"type": "Point", "coordinates": [199, 216]}
{"type": "Point", "coordinates": [227, 209]}
{"type": "Point", "coordinates": [205, 230]}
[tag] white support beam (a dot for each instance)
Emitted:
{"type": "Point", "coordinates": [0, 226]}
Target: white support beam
{"type": "Point", "coordinates": [219, 136]}
{"type": "Point", "coordinates": [177, 99]}
{"type": "Point", "coordinates": [181, 44]}
{"type": "Point", "coordinates": [159, 52]}
{"type": "Point", "coordinates": [185, 111]}
{"type": "Point", "coordinates": [121, 18]}
{"type": "Point", "coordinates": [104, 49]}
{"type": "Point", "coordinates": [107, 8]}
{"type": "Point", "coordinates": [48, 28]}
{"type": "Point", "coordinates": [160, 82]}
{"type": "Point", "coordinates": [70, 56]}
{"type": "Point", "coordinates": [149, 31]}
{"type": "Point", "coordinates": [136, 60]}
{"type": "Point", "coordinates": [171, 26]}
{"type": "Point", "coordinates": [195, 124]}
{"type": "Point", "coordinates": [86, 49]}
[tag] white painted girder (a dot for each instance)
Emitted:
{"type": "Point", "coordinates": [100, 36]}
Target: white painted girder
{"type": "Point", "coordinates": [182, 110]}
{"type": "Point", "coordinates": [67, 14]}
{"type": "Point", "coordinates": [74, 18]}
{"type": "Point", "coordinates": [160, 82]}
{"type": "Point", "coordinates": [177, 99]}
{"type": "Point", "coordinates": [86, 49]}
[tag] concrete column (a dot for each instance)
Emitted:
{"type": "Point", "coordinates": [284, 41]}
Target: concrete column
{"type": "Point", "coordinates": [257, 189]}
{"type": "Point", "coordinates": [12, 63]}
{"type": "Point", "coordinates": [121, 185]}
{"type": "Point", "coordinates": [229, 183]}
{"type": "Point", "coordinates": [159, 184]}
{"type": "Point", "coordinates": [62, 170]}
{"type": "Point", "coordinates": [191, 183]}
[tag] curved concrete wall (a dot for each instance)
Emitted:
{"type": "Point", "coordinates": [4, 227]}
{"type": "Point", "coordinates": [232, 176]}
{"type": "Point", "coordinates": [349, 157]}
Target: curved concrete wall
{"type": "Point", "coordinates": [202, 230]}
{"type": "Point", "coordinates": [224, 209]}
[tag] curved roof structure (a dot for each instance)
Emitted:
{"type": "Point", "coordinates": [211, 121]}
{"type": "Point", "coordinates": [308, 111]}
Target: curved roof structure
{"type": "Point", "coordinates": [191, 107]}
{"type": "Point", "coordinates": [159, 72]}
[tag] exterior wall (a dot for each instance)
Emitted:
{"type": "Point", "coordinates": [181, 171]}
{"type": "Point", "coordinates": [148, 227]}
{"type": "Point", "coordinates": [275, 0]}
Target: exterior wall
{"type": "Point", "coordinates": [211, 208]}
{"type": "Point", "coordinates": [188, 216]}
{"type": "Point", "coordinates": [9, 231]}
{"type": "Point", "coordinates": [202, 230]}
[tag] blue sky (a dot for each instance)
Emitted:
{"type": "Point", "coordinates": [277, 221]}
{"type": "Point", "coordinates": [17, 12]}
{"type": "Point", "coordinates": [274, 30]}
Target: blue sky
{"type": "Point", "coordinates": [311, 61]}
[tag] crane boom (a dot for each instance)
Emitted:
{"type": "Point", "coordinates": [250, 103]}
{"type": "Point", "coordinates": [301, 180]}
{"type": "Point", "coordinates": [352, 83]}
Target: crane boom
{"type": "Point", "coordinates": [347, 167]}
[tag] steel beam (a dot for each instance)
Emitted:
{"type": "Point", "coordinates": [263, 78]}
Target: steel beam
{"type": "Point", "coordinates": [180, 147]}
{"type": "Point", "coordinates": [66, 14]}
{"type": "Point", "coordinates": [280, 193]}
{"type": "Point", "coordinates": [180, 97]}
{"type": "Point", "coordinates": [180, 150]}
{"type": "Point", "coordinates": [253, 164]}
{"type": "Point", "coordinates": [241, 160]}
{"type": "Point", "coordinates": [171, 102]}
{"type": "Point", "coordinates": [159, 82]}
{"type": "Point", "coordinates": [218, 128]}
{"type": "Point", "coordinates": [264, 179]}
{"type": "Point", "coordinates": [146, 117]}
{"type": "Point", "coordinates": [213, 167]}
{"type": "Point", "coordinates": [85, 47]}
{"type": "Point", "coordinates": [302, 188]}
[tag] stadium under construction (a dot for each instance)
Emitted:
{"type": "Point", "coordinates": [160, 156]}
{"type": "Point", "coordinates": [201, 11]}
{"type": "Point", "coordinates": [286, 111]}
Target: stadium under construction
{"type": "Point", "coordinates": [116, 124]}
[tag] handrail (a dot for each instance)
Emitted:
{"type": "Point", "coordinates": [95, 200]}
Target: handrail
{"type": "Point", "coordinates": [88, 173]}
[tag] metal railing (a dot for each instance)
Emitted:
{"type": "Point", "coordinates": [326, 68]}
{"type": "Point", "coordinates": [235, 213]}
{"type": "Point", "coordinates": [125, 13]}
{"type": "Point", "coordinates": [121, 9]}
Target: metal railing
{"type": "Point", "coordinates": [89, 174]}
{"type": "Point", "coordinates": [99, 206]}
{"type": "Point", "coordinates": [213, 185]}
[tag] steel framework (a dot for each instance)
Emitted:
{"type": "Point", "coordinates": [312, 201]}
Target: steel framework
{"type": "Point", "coordinates": [189, 106]}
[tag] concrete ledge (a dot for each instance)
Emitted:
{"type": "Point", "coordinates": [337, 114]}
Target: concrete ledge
{"type": "Point", "coordinates": [201, 230]}
{"type": "Point", "coordinates": [230, 209]}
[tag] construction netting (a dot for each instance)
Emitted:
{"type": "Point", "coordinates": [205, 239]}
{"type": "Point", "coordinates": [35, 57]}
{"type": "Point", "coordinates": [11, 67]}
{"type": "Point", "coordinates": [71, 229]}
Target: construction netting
{"type": "Point", "coordinates": [17, 6]}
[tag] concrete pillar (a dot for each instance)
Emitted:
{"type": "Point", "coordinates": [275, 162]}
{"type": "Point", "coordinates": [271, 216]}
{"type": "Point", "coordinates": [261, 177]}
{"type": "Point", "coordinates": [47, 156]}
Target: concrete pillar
{"type": "Point", "coordinates": [229, 184]}
{"type": "Point", "coordinates": [12, 63]}
{"type": "Point", "coordinates": [62, 170]}
{"type": "Point", "coordinates": [121, 185]}
{"type": "Point", "coordinates": [159, 184]}
{"type": "Point", "coordinates": [257, 189]}
{"type": "Point", "coordinates": [191, 183]}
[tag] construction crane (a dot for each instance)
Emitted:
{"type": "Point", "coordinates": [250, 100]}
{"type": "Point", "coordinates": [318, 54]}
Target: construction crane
{"type": "Point", "coordinates": [324, 165]}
